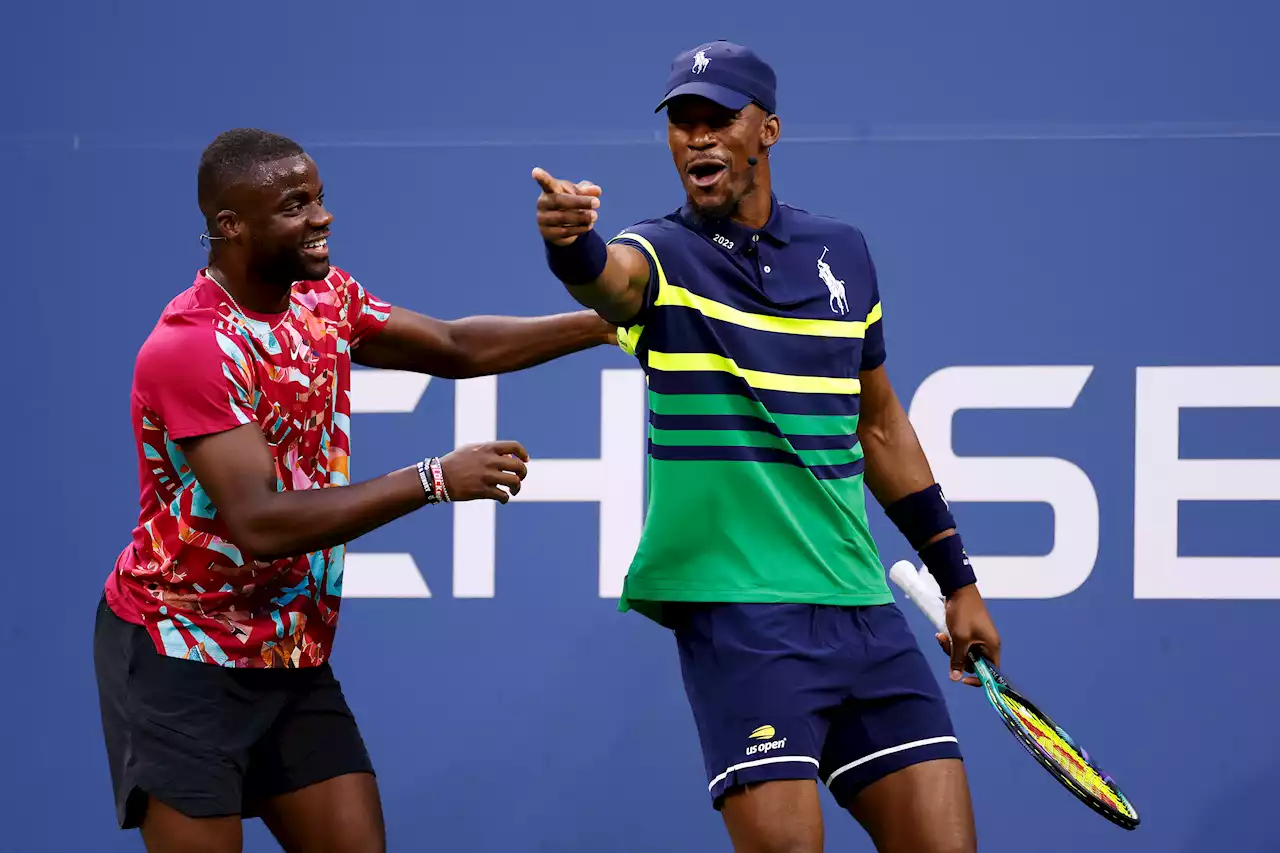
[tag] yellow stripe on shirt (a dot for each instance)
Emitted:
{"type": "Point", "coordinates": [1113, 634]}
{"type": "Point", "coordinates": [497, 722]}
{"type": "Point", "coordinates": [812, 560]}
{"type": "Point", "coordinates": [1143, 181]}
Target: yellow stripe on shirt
{"type": "Point", "coordinates": [705, 361]}
{"type": "Point", "coordinates": [674, 295]}
{"type": "Point", "coordinates": [679, 296]}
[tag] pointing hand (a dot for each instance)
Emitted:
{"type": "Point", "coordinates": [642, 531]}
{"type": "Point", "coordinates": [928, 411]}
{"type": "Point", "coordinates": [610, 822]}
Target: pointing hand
{"type": "Point", "coordinates": [565, 209]}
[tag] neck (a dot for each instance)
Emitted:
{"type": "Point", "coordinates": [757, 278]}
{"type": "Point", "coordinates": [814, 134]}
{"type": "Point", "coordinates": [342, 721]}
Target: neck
{"type": "Point", "coordinates": [754, 208]}
{"type": "Point", "coordinates": [250, 291]}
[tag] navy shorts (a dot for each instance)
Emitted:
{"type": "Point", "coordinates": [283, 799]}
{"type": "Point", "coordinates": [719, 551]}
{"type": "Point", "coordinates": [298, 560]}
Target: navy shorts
{"type": "Point", "coordinates": [801, 691]}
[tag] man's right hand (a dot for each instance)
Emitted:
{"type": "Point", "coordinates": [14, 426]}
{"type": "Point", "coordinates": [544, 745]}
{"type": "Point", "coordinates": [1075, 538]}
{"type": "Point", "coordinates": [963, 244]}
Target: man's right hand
{"type": "Point", "coordinates": [565, 209]}
{"type": "Point", "coordinates": [475, 471]}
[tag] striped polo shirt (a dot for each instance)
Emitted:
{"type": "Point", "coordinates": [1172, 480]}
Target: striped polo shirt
{"type": "Point", "coordinates": [752, 343]}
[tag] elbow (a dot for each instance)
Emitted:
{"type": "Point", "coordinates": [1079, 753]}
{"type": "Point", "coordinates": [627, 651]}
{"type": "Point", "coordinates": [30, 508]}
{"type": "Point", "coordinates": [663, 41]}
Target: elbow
{"type": "Point", "coordinates": [619, 307]}
{"type": "Point", "coordinates": [873, 437]}
{"type": "Point", "coordinates": [459, 358]}
{"type": "Point", "coordinates": [461, 365]}
{"type": "Point", "coordinates": [883, 427]}
{"type": "Point", "coordinates": [258, 539]}
{"type": "Point", "coordinates": [472, 355]}
{"type": "Point", "coordinates": [619, 315]}
{"type": "Point", "coordinates": [268, 552]}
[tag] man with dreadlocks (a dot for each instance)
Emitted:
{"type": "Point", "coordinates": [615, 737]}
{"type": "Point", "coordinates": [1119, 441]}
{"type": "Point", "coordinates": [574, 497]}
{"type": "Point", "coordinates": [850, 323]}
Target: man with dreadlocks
{"type": "Point", "coordinates": [214, 632]}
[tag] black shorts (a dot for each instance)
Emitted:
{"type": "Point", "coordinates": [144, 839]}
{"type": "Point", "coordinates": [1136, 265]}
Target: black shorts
{"type": "Point", "coordinates": [211, 741]}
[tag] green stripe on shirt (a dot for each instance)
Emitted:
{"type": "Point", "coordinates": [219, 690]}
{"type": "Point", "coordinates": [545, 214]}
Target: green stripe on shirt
{"type": "Point", "coordinates": [732, 404]}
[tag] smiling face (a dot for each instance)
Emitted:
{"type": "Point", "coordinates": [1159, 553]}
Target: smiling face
{"type": "Point", "coordinates": [280, 221]}
{"type": "Point", "coordinates": [710, 145]}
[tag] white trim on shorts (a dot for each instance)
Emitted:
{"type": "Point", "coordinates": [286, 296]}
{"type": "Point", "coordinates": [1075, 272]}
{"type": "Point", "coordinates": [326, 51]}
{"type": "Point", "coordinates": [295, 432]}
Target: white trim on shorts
{"type": "Point", "coordinates": [873, 756]}
{"type": "Point", "coordinates": [774, 760]}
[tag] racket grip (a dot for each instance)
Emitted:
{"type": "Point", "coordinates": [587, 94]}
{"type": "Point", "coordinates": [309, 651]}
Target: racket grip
{"type": "Point", "coordinates": [915, 587]}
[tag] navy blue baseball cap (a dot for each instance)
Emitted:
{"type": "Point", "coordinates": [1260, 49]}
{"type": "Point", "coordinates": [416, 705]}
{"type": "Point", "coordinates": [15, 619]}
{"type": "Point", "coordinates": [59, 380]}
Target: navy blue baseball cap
{"type": "Point", "coordinates": [727, 73]}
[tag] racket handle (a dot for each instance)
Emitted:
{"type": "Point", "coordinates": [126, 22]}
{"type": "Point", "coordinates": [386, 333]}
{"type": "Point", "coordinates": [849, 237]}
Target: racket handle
{"type": "Point", "coordinates": [922, 590]}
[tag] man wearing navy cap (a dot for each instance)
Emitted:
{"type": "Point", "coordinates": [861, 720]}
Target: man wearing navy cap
{"type": "Point", "coordinates": [759, 327]}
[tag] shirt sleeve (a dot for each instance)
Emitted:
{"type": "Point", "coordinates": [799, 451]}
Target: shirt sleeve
{"type": "Point", "coordinates": [197, 378]}
{"type": "Point", "coordinates": [873, 348]}
{"type": "Point", "coordinates": [368, 313]}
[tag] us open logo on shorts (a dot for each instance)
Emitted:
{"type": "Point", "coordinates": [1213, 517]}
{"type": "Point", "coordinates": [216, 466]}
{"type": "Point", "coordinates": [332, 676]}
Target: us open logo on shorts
{"type": "Point", "coordinates": [765, 733]}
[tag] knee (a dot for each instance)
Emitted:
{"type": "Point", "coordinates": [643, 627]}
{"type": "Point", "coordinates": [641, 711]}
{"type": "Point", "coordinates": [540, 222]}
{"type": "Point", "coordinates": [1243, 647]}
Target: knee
{"type": "Point", "coordinates": [930, 843]}
{"type": "Point", "coordinates": [371, 841]}
{"type": "Point", "coordinates": [782, 843]}
{"type": "Point", "coordinates": [957, 845]}
{"type": "Point", "coordinates": [782, 836]}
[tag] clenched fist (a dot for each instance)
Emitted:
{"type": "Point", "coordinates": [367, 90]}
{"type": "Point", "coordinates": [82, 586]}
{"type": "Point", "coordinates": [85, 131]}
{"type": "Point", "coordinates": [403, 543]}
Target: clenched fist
{"type": "Point", "coordinates": [565, 209]}
{"type": "Point", "coordinates": [475, 471]}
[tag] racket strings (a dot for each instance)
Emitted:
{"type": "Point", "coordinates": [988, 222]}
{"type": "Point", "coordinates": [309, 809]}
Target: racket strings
{"type": "Point", "coordinates": [1066, 755]}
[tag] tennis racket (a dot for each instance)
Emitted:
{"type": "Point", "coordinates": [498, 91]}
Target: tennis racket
{"type": "Point", "coordinates": [1055, 750]}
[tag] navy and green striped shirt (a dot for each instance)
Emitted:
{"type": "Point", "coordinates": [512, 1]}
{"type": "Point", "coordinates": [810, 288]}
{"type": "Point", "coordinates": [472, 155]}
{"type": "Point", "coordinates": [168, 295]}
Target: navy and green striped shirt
{"type": "Point", "coordinates": [752, 343]}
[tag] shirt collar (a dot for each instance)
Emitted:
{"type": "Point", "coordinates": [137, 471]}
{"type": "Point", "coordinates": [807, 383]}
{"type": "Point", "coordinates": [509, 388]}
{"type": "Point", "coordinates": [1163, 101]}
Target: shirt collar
{"type": "Point", "coordinates": [776, 229]}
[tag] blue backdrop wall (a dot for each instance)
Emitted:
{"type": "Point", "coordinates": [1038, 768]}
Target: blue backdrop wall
{"type": "Point", "coordinates": [1072, 208]}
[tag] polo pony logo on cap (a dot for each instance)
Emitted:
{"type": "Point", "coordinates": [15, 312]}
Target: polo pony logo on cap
{"type": "Point", "coordinates": [700, 62]}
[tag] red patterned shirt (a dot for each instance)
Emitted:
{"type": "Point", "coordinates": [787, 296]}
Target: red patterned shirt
{"type": "Point", "coordinates": [207, 367]}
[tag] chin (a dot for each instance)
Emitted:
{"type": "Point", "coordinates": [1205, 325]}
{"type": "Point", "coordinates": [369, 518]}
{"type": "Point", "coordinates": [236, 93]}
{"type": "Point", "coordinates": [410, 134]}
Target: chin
{"type": "Point", "coordinates": [308, 269]}
{"type": "Point", "coordinates": [714, 207]}
{"type": "Point", "coordinates": [715, 202]}
{"type": "Point", "coordinates": [315, 271]}
{"type": "Point", "coordinates": [286, 268]}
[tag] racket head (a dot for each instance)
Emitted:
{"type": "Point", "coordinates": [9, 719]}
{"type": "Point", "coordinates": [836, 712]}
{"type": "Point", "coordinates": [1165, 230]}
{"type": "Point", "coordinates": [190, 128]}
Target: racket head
{"type": "Point", "coordinates": [1055, 750]}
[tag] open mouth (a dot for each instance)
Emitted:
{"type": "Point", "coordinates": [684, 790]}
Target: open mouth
{"type": "Point", "coordinates": [704, 173]}
{"type": "Point", "coordinates": [317, 247]}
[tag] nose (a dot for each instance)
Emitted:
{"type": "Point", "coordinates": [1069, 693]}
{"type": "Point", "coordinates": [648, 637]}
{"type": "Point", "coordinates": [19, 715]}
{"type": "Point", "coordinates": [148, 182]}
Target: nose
{"type": "Point", "coordinates": [320, 217]}
{"type": "Point", "coordinates": [701, 138]}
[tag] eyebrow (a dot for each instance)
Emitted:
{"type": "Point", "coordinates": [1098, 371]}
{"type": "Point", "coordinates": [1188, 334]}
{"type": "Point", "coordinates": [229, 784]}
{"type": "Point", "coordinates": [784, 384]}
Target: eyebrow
{"type": "Point", "coordinates": [298, 193]}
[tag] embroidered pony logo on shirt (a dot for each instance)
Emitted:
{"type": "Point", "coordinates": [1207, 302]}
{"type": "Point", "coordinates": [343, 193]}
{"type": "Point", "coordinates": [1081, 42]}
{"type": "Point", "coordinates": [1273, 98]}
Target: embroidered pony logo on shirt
{"type": "Point", "coordinates": [835, 286]}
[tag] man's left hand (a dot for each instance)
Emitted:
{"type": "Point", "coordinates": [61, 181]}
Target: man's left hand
{"type": "Point", "coordinates": [970, 625]}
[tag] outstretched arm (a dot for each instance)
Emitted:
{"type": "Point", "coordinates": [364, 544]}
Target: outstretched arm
{"type": "Point", "coordinates": [203, 386]}
{"type": "Point", "coordinates": [899, 477]}
{"type": "Point", "coordinates": [609, 279]}
{"type": "Point", "coordinates": [479, 346]}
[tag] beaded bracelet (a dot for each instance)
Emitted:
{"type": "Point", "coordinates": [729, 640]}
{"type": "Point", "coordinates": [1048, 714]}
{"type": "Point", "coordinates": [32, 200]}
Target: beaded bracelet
{"type": "Point", "coordinates": [425, 479]}
{"type": "Point", "coordinates": [437, 478]}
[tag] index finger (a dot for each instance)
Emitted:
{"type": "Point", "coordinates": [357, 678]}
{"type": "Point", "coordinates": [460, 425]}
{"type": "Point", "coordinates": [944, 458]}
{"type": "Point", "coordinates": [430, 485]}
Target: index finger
{"type": "Point", "coordinates": [548, 183]}
{"type": "Point", "coordinates": [511, 448]}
